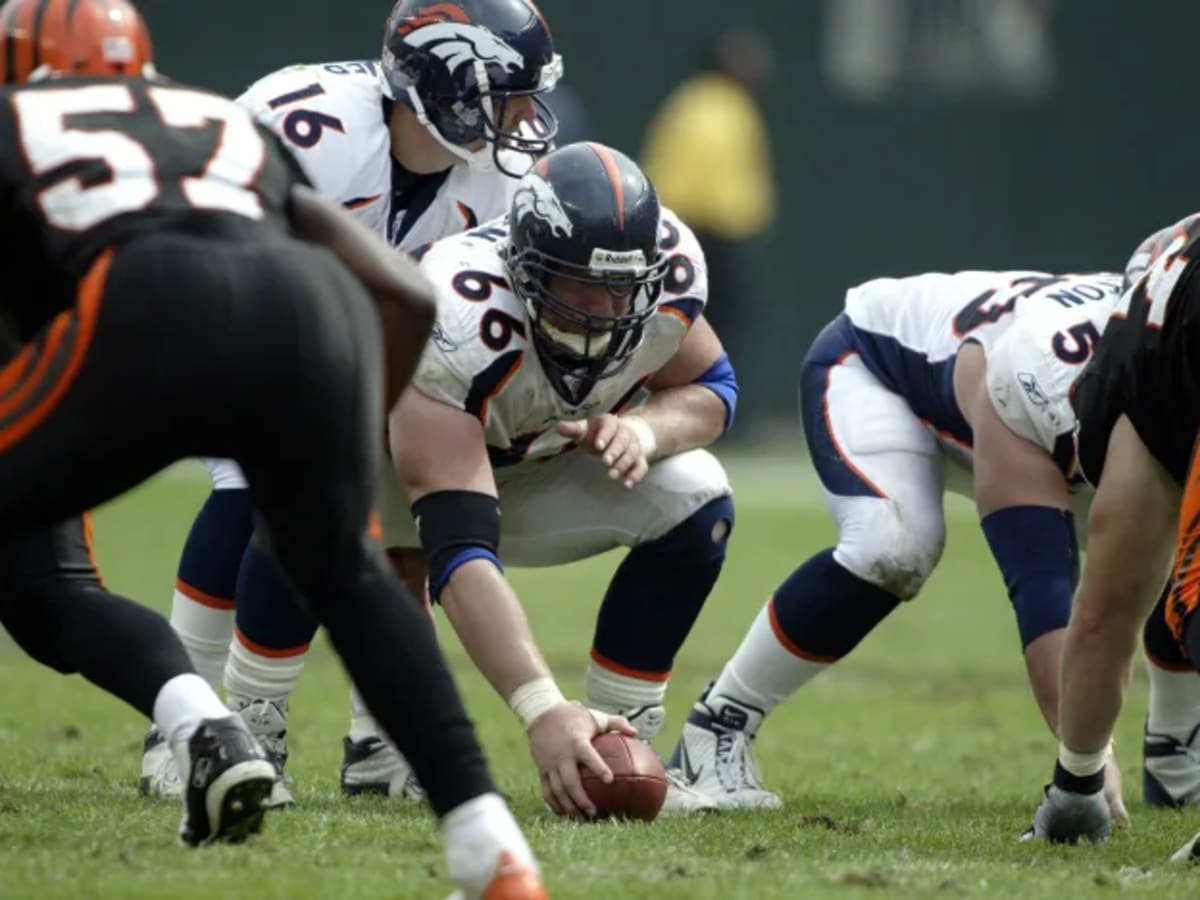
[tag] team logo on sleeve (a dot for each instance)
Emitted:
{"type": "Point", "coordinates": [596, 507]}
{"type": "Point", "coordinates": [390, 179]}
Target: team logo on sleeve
{"type": "Point", "coordinates": [446, 31]}
{"type": "Point", "coordinates": [535, 197]}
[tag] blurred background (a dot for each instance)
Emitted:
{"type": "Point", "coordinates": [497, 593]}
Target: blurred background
{"type": "Point", "coordinates": [898, 136]}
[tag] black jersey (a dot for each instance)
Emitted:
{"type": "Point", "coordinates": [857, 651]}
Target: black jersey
{"type": "Point", "coordinates": [1147, 364]}
{"type": "Point", "coordinates": [87, 163]}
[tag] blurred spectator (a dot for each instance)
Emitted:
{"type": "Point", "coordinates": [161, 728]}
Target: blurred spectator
{"type": "Point", "coordinates": [708, 153]}
{"type": "Point", "coordinates": [573, 124]}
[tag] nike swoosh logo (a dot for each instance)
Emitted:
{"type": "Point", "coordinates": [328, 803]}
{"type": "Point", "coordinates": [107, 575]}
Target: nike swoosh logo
{"type": "Point", "coordinates": [692, 775]}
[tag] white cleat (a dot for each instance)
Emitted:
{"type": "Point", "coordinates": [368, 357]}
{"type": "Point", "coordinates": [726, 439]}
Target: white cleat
{"type": "Point", "coordinates": [267, 721]}
{"type": "Point", "coordinates": [1188, 854]}
{"type": "Point", "coordinates": [715, 756]}
{"type": "Point", "coordinates": [682, 799]}
{"type": "Point", "coordinates": [374, 766]}
{"type": "Point", "coordinates": [160, 772]}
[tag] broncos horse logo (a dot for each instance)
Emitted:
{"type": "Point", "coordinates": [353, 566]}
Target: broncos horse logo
{"type": "Point", "coordinates": [535, 197]}
{"type": "Point", "coordinates": [445, 30]}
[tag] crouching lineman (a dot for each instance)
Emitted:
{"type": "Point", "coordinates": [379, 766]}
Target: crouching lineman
{"type": "Point", "coordinates": [1139, 409]}
{"type": "Point", "coordinates": [425, 142]}
{"type": "Point", "coordinates": [972, 368]}
{"type": "Point", "coordinates": [571, 382]}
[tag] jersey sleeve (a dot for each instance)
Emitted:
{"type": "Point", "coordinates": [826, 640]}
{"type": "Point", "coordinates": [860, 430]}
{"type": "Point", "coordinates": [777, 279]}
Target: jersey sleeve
{"type": "Point", "coordinates": [456, 367]}
{"type": "Point", "coordinates": [307, 118]}
{"type": "Point", "coordinates": [685, 287]}
{"type": "Point", "coordinates": [1030, 387]}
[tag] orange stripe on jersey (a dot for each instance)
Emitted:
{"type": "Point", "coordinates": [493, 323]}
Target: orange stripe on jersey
{"type": "Point", "coordinates": [360, 202]}
{"type": "Point", "coordinates": [614, 176]}
{"type": "Point", "coordinates": [512, 370]}
{"type": "Point", "coordinates": [212, 601]}
{"type": "Point", "coordinates": [1185, 582]}
{"type": "Point", "coordinates": [605, 663]}
{"type": "Point", "coordinates": [269, 652]}
{"type": "Point", "coordinates": [67, 341]}
{"type": "Point", "coordinates": [787, 642]}
{"type": "Point", "coordinates": [375, 527]}
{"type": "Point", "coordinates": [89, 540]}
{"type": "Point", "coordinates": [833, 437]}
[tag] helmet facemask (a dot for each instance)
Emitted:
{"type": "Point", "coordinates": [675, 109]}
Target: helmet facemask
{"type": "Point", "coordinates": [577, 347]}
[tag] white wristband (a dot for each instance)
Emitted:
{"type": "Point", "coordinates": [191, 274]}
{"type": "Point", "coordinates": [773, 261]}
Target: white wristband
{"type": "Point", "coordinates": [534, 698]}
{"type": "Point", "coordinates": [1083, 764]}
{"type": "Point", "coordinates": [644, 433]}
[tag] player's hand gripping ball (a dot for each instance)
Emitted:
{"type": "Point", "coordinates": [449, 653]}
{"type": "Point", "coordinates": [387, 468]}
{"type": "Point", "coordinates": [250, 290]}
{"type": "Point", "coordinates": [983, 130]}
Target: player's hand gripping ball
{"type": "Point", "coordinates": [639, 784]}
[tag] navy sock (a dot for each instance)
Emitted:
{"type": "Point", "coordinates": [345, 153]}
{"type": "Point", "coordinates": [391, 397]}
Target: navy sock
{"type": "Point", "coordinates": [659, 590]}
{"type": "Point", "coordinates": [825, 610]}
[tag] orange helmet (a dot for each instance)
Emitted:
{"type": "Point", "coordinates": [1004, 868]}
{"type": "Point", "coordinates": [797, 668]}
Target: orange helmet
{"type": "Point", "coordinates": [72, 37]}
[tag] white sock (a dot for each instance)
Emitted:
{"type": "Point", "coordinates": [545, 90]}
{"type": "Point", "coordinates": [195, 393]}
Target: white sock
{"type": "Point", "coordinates": [204, 630]}
{"type": "Point", "coordinates": [255, 675]}
{"type": "Point", "coordinates": [764, 671]}
{"type": "Point", "coordinates": [182, 703]}
{"type": "Point", "coordinates": [1174, 702]}
{"type": "Point", "coordinates": [612, 692]}
{"type": "Point", "coordinates": [362, 723]}
{"type": "Point", "coordinates": [475, 834]}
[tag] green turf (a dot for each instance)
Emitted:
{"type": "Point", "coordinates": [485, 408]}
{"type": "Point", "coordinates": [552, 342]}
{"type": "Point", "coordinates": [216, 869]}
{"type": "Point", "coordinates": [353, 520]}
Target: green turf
{"type": "Point", "coordinates": [907, 771]}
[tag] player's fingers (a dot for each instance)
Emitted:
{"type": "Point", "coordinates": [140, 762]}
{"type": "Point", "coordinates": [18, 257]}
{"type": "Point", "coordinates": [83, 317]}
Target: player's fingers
{"type": "Point", "coordinates": [618, 450]}
{"type": "Point", "coordinates": [605, 429]}
{"type": "Point", "coordinates": [589, 758]}
{"type": "Point", "coordinates": [573, 786]}
{"type": "Point", "coordinates": [624, 464]}
{"type": "Point", "coordinates": [621, 724]}
{"type": "Point", "coordinates": [549, 796]}
{"type": "Point", "coordinates": [638, 472]}
{"type": "Point", "coordinates": [562, 803]}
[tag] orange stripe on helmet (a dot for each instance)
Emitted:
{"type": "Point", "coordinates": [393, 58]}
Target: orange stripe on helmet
{"type": "Point", "coordinates": [429, 15]}
{"type": "Point", "coordinates": [614, 175]}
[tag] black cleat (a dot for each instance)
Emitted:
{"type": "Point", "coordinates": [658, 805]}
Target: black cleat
{"type": "Point", "coordinates": [229, 781]}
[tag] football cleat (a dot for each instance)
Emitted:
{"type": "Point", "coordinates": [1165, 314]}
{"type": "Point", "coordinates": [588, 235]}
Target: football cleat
{"type": "Point", "coordinates": [715, 755]}
{"type": "Point", "coordinates": [229, 781]}
{"type": "Point", "coordinates": [1189, 853]}
{"type": "Point", "coordinates": [513, 880]}
{"type": "Point", "coordinates": [1171, 770]}
{"type": "Point", "coordinates": [373, 766]}
{"type": "Point", "coordinates": [160, 772]}
{"type": "Point", "coordinates": [267, 721]}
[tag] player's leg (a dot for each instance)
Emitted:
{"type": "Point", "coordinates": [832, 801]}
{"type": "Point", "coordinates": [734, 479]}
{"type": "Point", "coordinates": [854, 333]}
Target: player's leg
{"type": "Point", "coordinates": [314, 508]}
{"type": "Point", "coordinates": [75, 379]}
{"type": "Point", "coordinates": [202, 602]}
{"type": "Point", "coordinates": [1171, 749]}
{"type": "Point", "coordinates": [370, 764]}
{"type": "Point", "coordinates": [881, 472]}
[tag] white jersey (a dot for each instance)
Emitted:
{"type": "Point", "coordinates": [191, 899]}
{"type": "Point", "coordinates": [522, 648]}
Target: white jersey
{"type": "Point", "coordinates": [1037, 330]}
{"type": "Point", "coordinates": [481, 358]}
{"type": "Point", "coordinates": [333, 117]}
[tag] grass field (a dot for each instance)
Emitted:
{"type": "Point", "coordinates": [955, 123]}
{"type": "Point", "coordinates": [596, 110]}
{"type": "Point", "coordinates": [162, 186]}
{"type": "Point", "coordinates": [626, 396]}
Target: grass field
{"type": "Point", "coordinates": [908, 770]}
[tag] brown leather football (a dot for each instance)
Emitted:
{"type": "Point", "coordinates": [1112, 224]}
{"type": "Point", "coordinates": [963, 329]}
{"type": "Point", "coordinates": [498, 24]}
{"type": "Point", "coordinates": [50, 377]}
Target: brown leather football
{"type": "Point", "coordinates": [639, 784]}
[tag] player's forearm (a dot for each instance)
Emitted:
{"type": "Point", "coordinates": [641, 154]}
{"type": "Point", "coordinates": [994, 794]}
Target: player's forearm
{"type": "Point", "coordinates": [682, 418]}
{"type": "Point", "coordinates": [1096, 664]}
{"type": "Point", "coordinates": [489, 620]}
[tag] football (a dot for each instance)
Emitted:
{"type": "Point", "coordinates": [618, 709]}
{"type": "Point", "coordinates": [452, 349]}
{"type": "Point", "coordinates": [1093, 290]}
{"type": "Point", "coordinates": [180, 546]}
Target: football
{"type": "Point", "coordinates": [639, 784]}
